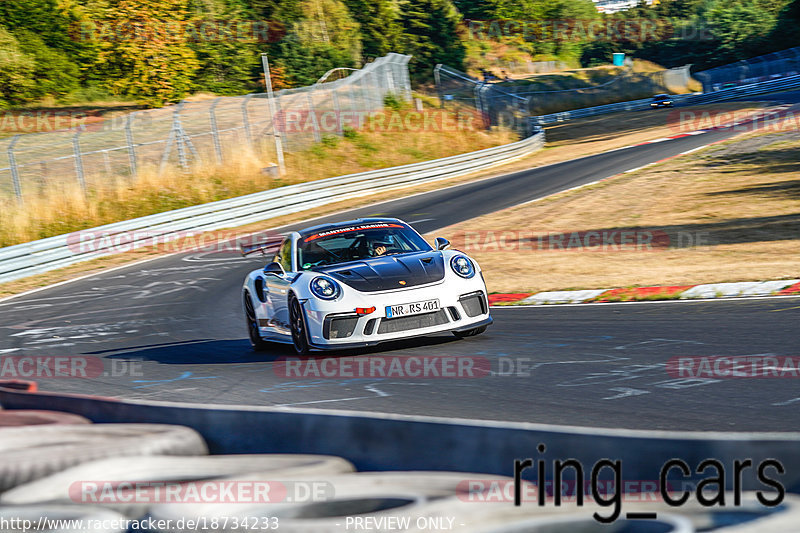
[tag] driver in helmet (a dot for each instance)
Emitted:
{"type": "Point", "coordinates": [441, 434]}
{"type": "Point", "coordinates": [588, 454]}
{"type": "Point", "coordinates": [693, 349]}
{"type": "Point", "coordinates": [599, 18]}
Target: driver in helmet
{"type": "Point", "coordinates": [381, 245]}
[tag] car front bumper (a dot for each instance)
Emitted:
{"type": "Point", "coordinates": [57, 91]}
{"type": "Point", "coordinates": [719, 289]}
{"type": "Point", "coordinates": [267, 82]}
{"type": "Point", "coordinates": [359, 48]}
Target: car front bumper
{"type": "Point", "coordinates": [462, 306]}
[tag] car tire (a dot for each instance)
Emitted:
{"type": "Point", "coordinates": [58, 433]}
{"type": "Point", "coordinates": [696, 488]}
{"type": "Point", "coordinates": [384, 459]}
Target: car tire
{"type": "Point", "coordinates": [470, 332]}
{"type": "Point", "coordinates": [298, 324]}
{"type": "Point", "coordinates": [28, 453]}
{"type": "Point", "coordinates": [256, 341]}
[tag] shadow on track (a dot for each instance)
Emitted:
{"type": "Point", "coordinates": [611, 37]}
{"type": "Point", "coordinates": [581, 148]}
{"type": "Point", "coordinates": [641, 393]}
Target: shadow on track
{"type": "Point", "coordinates": [216, 352]}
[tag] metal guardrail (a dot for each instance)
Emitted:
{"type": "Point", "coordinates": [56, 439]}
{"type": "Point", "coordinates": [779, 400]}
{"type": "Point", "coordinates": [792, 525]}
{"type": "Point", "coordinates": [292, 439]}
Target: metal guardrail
{"type": "Point", "coordinates": [684, 99]}
{"type": "Point", "coordinates": [763, 87]}
{"type": "Point", "coordinates": [35, 257]}
{"type": "Point", "coordinates": [631, 105]}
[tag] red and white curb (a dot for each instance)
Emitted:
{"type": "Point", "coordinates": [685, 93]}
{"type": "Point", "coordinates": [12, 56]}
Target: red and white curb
{"type": "Point", "coordinates": [728, 125]}
{"type": "Point", "coordinates": [784, 287]}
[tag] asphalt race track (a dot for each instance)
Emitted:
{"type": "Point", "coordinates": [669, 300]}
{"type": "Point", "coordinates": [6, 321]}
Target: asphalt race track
{"type": "Point", "coordinates": [172, 329]}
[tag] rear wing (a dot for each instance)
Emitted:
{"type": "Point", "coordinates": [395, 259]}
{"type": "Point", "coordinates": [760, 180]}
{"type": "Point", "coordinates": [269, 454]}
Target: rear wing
{"type": "Point", "coordinates": [266, 246]}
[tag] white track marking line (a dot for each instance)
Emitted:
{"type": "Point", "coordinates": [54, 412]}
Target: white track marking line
{"type": "Point", "coordinates": [625, 392]}
{"type": "Point", "coordinates": [692, 150]}
{"type": "Point", "coordinates": [85, 276]}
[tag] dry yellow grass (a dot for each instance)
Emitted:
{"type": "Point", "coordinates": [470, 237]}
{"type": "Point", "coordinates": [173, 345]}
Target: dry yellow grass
{"type": "Point", "coordinates": [742, 198]}
{"type": "Point", "coordinates": [62, 209]}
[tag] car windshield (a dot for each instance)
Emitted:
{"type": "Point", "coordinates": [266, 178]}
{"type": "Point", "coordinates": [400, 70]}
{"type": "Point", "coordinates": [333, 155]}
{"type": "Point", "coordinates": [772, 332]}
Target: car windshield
{"type": "Point", "coordinates": [354, 243]}
{"type": "Point", "coordinates": [660, 97]}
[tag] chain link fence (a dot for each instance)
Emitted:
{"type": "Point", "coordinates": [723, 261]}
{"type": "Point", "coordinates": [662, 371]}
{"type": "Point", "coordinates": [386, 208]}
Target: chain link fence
{"type": "Point", "coordinates": [495, 106]}
{"type": "Point", "coordinates": [210, 132]}
{"type": "Point", "coordinates": [506, 103]}
{"type": "Point", "coordinates": [753, 70]}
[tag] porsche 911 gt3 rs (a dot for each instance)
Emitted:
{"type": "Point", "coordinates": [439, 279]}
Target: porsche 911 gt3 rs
{"type": "Point", "coordinates": [362, 282]}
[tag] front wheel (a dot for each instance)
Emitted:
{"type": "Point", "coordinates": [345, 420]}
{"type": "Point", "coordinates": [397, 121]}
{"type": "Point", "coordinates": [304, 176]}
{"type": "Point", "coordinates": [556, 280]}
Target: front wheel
{"type": "Point", "coordinates": [470, 332]}
{"type": "Point", "coordinates": [298, 323]}
{"type": "Point", "coordinates": [256, 341]}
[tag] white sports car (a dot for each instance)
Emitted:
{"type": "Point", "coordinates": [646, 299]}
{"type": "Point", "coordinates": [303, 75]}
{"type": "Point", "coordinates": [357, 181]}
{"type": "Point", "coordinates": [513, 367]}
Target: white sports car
{"type": "Point", "coordinates": [359, 283]}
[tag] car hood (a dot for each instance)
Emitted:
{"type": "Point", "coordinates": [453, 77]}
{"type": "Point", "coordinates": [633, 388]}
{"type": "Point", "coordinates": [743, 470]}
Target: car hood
{"type": "Point", "coordinates": [389, 272]}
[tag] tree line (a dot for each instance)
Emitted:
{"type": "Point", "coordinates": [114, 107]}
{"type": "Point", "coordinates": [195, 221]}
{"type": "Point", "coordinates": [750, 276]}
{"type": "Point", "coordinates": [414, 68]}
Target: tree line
{"type": "Point", "coordinates": [158, 51]}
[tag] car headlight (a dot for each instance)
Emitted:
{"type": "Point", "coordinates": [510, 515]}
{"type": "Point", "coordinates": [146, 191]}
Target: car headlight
{"type": "Point", "coordinates": [462, 266]}
{"type": "Point", "coordinates": [325, 288]}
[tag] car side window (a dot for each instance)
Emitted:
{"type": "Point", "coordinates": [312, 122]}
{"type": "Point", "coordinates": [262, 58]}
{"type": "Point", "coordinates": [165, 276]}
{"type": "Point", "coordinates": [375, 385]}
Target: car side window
{"type": "Point", "coordinates": [284, 255]}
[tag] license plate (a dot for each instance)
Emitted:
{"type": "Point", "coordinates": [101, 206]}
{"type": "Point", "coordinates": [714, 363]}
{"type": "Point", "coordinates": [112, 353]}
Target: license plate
{"type": "Point", "coordinates": [415, 308]}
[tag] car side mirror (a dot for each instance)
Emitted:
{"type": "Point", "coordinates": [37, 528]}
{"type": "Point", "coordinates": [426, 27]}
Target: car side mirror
{"type": "Point", "coordinates": [442, 243]}
{"type": "Point", "coordinates": [274, 268]}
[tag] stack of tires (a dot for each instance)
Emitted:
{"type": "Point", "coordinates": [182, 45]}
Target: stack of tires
{"type": "Point", "coordinates": [59, 472]}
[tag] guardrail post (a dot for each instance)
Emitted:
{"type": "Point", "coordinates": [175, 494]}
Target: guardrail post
{"type": "Point", "coordinates": [278, 127]}
{"type": "Point", "coordinates": [313, 115]}
{"type": "Point", "coordinates": [107, 162]}
{"type": "Point", "coordinates": [247, 132]}
{"type": "Point", "coordinates": [354, 106]}
{"type": "Point", "coordinates": [481, 106]}
{"type": "Point", "coordinates": [76, 145]}
{"type": "Point", "coordinates": [131, 146]}
{"type": "Point", "coordinates": [338, 110]}
{"type": "Point", "coordinates": [377, 89]}
{"type": "Point", "coordinates": [215, 130]}
{"type": "Point", "coordinates": [12, 161]}
{"type": "Point", "coordinates": [179, 141]}
{"type": "Point", "coordinates": [437, 78]}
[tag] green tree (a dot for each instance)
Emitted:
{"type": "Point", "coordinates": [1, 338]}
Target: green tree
{"type": "Point", "coordinates": [228, 52]}
{"type": "Point", "coordinates": [326, 37]}
{"type": "Point", "coordinates": [431, 35]}
{"type": "Point", "coordinates": [785, 34]}
{"type": "Point", "coordinates": [380, 25]}
{"type": "Point", "coordinates": [55, 22]}
{"type": "Point", "coordinates": [55, 73]}
{"type": "Point", "coordinates": [740, 27]}
{"type": "Point", "coordinates": [147, 55]}
{"type": "Point", "coordinates": [16, 71]}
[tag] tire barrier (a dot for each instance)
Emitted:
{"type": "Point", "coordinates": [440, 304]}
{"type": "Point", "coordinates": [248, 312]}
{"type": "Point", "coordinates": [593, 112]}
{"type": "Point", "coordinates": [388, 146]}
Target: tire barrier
{"type": "Point", "coordinates": [32, 452]}
{"type": "Point", "coordinates": [748, 517]}
{"type": "Point", "coordinates": [24, 417]}
{"type": "Point", "coordinates": [572, 524]}
{"type": "Point", "coordinates": [323, 504]}
{"type": "Point", "coordinates": [318, 494]}
{"type": "Point", "coordinates": [79, 484]}
{"type": "Point", "coordinates": [393, 442]}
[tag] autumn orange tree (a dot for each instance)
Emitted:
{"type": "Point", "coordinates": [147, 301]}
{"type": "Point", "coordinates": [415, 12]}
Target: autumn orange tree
{"type": "Point", "coordinates": [144, 50]}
